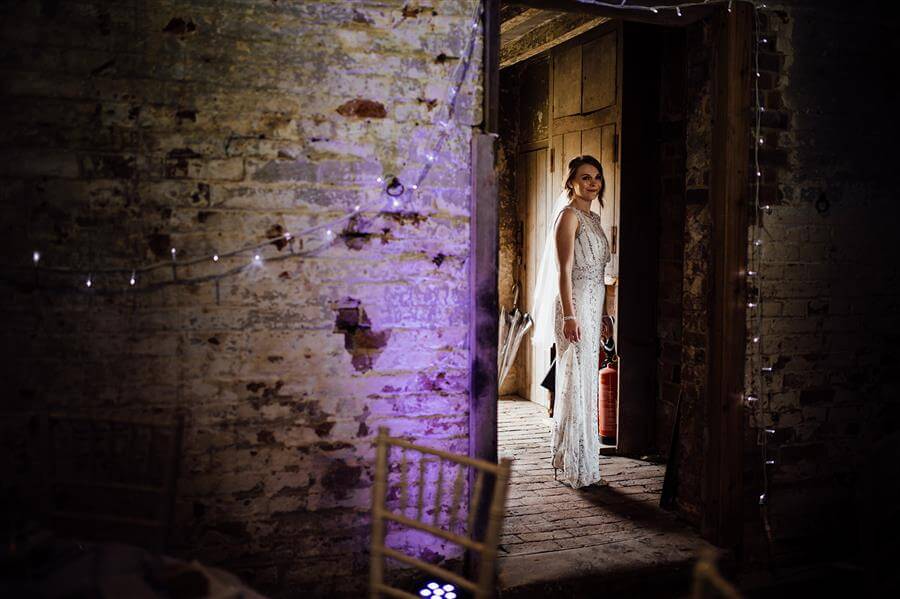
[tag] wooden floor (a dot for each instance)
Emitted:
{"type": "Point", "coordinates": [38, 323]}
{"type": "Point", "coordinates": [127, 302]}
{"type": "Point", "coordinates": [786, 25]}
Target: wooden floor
{"type": "Point", "coordinates": [557, 538]}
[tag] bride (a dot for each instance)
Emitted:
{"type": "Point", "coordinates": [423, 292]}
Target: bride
{"type": "Point", "coordinates": [569, 297]}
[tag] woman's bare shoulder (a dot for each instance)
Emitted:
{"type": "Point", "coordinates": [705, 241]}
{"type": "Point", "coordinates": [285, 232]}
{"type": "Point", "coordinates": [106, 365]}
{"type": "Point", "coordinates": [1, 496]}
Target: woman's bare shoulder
{"type": "Point", "coordinates": [568, 220]}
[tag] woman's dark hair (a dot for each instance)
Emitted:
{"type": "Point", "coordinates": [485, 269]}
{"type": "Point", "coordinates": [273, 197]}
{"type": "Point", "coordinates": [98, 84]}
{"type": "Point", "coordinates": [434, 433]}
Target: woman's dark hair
{"type": "Point", "coordinates": [577, 162]}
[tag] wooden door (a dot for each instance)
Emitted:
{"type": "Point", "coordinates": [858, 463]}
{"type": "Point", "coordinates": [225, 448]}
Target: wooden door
{"type": "Point", "coordinates": [585, 97]}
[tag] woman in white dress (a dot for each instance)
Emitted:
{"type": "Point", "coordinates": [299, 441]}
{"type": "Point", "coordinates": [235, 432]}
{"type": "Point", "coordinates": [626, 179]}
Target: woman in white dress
{"type": "Point", "coordinates": [569, 298]}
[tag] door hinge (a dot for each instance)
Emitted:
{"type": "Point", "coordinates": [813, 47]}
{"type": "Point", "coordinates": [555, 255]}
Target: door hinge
{"type": "Point", "coordinates": [615, 147]}
{"type": "Point", "coordinates": [552, 156]}
{"type": "Point", "coordinates": [615, 237]}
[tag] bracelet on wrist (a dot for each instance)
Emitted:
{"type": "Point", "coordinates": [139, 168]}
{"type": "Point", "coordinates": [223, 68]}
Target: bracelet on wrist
{"type": "Point", "coordinates": [568, 318]}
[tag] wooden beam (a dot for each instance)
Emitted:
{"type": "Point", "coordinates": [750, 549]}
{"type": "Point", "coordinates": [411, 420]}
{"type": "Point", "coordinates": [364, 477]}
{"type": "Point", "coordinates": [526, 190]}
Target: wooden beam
{"type": "Point", "coordinates": [722, 521]}
{"type": "Point", "coordinates": [553, 33]}
{"type": "Point", "coordinates": [632, 11]}
{"type": "Point", "coordinates": [513, 28]}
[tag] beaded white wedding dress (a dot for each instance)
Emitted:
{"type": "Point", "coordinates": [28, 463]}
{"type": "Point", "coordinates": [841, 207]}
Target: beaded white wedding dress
{"type": "Point", "coordinates": [575, 440]}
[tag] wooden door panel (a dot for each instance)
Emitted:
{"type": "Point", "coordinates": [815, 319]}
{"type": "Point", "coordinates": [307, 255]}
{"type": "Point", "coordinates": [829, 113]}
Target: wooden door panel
{"type": "Point", "coordinates": [571, 149]}
{"type": "Point", "coordinates": [567, 81]}
{"type": "Point", "coordinates": [598, 75]}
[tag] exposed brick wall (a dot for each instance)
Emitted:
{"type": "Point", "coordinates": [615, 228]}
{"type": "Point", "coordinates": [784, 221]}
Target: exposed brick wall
{"type": "Point", "coordinates": [133, 127]}
{"type": "Point", "coordinates": [828, 281]}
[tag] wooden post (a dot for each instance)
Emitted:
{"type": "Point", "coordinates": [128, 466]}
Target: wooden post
{"type": "Point", "coordinates": [722, 477]}
{"type": "Point", "coordinates": [483, 302]}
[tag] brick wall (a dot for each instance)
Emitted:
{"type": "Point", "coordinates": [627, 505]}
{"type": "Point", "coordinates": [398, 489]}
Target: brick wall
{"type": "Point", "coordinates": [133, 127]}
{"type": "Point", "coordinates": [828, 281]}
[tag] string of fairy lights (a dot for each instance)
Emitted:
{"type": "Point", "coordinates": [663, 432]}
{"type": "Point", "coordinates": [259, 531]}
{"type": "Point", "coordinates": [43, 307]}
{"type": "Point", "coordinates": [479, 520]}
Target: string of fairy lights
{"type": "Point", "coordinates": [759, 370]}
{"type": "Point", "coordinates": [299, 242]}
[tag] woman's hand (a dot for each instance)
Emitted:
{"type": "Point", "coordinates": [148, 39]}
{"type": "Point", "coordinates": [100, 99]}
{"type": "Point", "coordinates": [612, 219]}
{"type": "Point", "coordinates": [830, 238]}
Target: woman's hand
{"type": "Point", "coordinates": [571, 330]}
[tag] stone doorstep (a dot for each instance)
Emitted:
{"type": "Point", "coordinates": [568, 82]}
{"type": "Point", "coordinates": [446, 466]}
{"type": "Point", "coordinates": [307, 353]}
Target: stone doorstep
{"type": "Point", "coordinates": [658, 565]}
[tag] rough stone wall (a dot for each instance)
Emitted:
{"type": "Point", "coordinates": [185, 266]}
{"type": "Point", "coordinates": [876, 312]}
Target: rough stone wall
{"type": "Point", "coordinates": [135, 126]}
{"type": "Point", "coordinates": [828, 282]}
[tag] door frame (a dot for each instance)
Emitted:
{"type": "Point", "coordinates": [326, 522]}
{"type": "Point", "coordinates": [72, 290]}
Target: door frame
{"type": "Point", "coordinates": [722, 484]}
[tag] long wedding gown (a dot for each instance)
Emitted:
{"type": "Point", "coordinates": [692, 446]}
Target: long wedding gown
{"type": "Point", "coordinates": [575, 441]}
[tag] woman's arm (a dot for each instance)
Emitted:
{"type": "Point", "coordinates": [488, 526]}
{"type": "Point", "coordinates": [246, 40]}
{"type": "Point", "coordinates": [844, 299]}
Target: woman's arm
{"type": "Point", "coordinates": [566, 228]}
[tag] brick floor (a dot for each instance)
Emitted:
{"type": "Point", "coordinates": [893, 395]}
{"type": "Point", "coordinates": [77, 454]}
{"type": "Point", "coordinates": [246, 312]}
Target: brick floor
{"type": "Point", "coordinates": [553, 532]}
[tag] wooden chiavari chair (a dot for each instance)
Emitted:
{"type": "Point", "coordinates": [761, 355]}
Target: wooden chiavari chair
{"type": "Point", "coordinates": [493, 500]}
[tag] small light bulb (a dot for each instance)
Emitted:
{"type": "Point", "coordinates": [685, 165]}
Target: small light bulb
{"type": "Point", "coordinates": [443, 124]}
{"type": "Point", "coordinates": [766, 208]}
{"type": "Point", "coordinates": [396, 203]}
{"type": "Point", "coordinates": [89, 282]}
{"type": "Point", "coordinates": [257, 258]}
{"type": "Point", "coordinates": [36, 256]}
{"type": "Point", "coordinates": [414, 186]}
{"type": "Point", "coordinates": [356, 208]}
{"type": "Point", "coordinates": [132, 280]}
{"type": "Point", "coordinates": [751, 273]}
{"type": "Point", "coordinates": [770, 462]}
{"type": "Point", "coordinates": [475, 25]}
{"type": "Point", "coordinates": [752, 398]}
{"type": "Point", "coordinates": [380, 180]}
{"type": "Point", "coordinates": [215, 257]}
{"type": "Point", "coordinates": [766, 369]}
{"type": "Point", "coordinates": [328, 233]}
{"type": "Point", "coordinates": [430, 157]}
{"type": "Point", "coordinates": [287, 236]}
{"type": "Point", "coordinates": [450, 595]}
{"type": "Point", "coordinates": [765, 40]}
{"type": "Point", "coordinates": [757, 242]}
{"type": "Point", "coordinates": [756, 340]}
{"type": "Point", "coordinates": [761, 141]}
{"type": "Point", "coordinates": [425, 593]}
{"type": "Point", "coordinates": [438, 592]}
{"type": "Point", "coordinates": [449, 587]}
{"type": "Point", "coordinates": [763, 498]}
{"type": "Point", "coordinates": [762, 108]}
{"type": "Point", "coordinates": [678, 11]}
{"type": "Point", "coordinates": [751, 305]}
{"type": "Point", "coordinates": [173, 250]}
{"type": "Point", "coordinates": [433, 585]}
{"type": "Point", "coordinates": [654, 9]}
{"type": "Point", "coordinates": [770, 431]}
{"type": "Point", "coordinates": [758, 75]}
{"type": "Point", "coordinates": [759, 173]}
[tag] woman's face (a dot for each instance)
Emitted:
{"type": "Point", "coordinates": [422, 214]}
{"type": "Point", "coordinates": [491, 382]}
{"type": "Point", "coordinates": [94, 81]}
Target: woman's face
{"type": "Point", "coordinates": [587, 182]}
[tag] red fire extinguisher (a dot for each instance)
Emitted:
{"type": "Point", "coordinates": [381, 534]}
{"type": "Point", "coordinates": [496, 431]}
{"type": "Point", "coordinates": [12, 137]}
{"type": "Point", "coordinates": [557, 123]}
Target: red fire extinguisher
{"type": "Point", "coordinates": [609, 387]}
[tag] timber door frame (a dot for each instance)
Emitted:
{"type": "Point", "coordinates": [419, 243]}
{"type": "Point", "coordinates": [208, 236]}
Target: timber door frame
{"type": "Point", "coordinates": [722, 484]}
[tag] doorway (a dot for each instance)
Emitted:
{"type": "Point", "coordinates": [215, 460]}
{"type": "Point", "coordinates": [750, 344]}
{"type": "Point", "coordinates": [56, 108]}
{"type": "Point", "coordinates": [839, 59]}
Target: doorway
{"type": "Point", "coordinates": [633, 296]}
{"type": "Point", "coordinates": [570, 99]}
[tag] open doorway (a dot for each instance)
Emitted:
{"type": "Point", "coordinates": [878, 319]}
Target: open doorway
{"type": "Point", "coordinates": [570, 94]}
{"type": "Point", "coordinates": [571, 85]}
